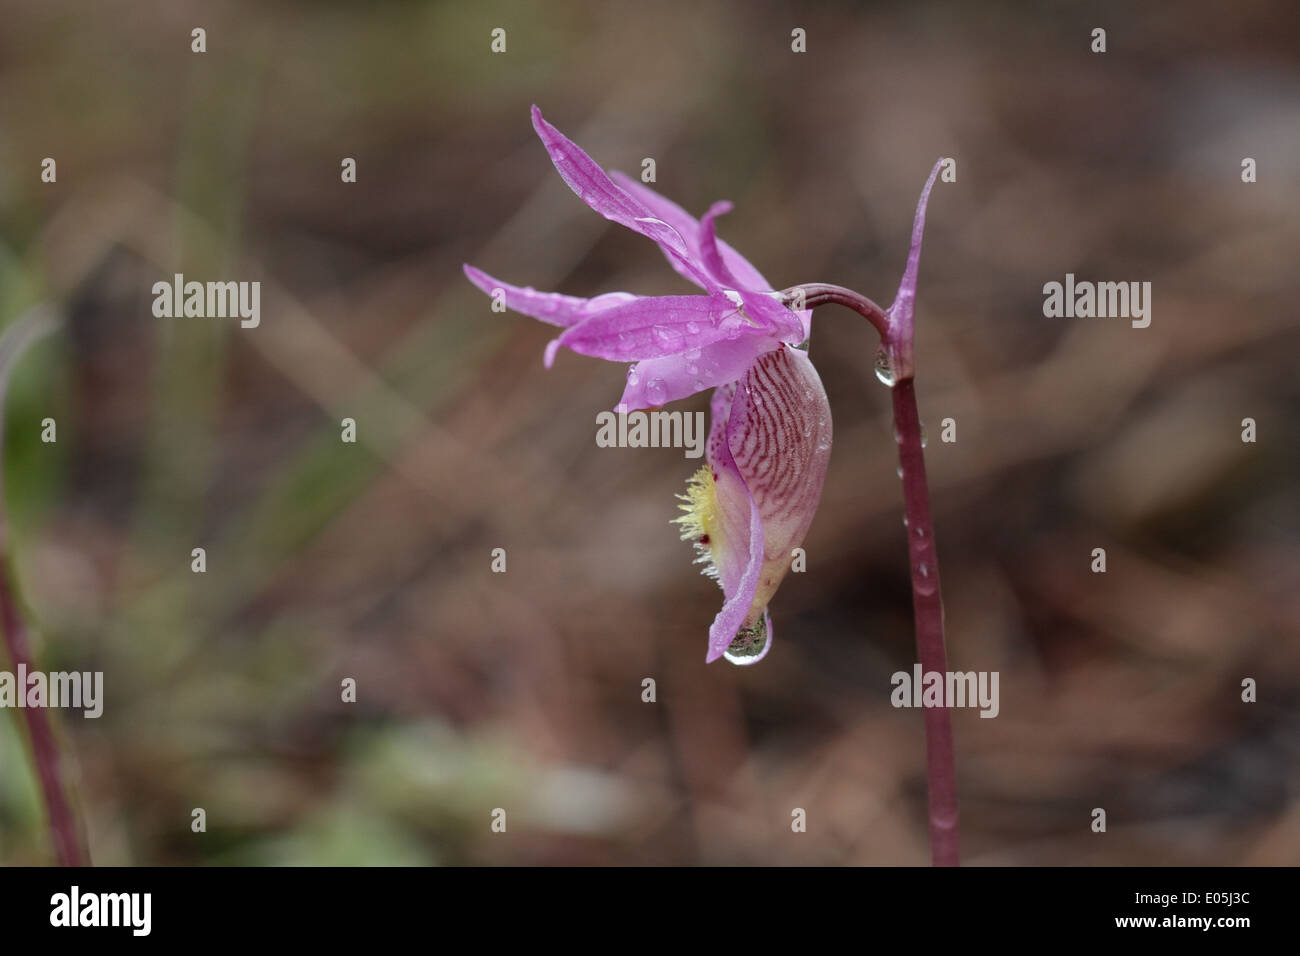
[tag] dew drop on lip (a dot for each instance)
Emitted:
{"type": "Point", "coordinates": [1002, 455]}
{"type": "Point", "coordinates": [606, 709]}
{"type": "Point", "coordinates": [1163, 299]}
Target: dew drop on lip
{"type": "Point", "coordinates": [752, 643]}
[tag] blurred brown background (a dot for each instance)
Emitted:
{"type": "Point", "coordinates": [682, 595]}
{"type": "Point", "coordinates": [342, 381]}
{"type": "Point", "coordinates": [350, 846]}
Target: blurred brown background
{"type": "Point", "coordinates": [523, 690]}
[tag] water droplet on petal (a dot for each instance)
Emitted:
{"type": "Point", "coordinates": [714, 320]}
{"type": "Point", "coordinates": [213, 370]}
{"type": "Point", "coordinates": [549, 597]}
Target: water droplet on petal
{"type": "Point", "coordinates": [750, 644]}
{"type": "Point", "coordinates": [667, 337]}
{"type": "Point", "coordinates": [632, 377]}
{"type": "Point", "coordinates": [900, 471]}
{"type": "Point", "coordinates": [655, 391]}
{"type": "Point", "coordinates": [692, 328]}
{"type": "Point", "coordinates": [884, 369]}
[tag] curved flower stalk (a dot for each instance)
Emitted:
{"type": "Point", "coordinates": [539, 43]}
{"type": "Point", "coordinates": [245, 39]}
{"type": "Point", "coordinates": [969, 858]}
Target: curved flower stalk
{"type": "Point", "coordinates": [770, 439]}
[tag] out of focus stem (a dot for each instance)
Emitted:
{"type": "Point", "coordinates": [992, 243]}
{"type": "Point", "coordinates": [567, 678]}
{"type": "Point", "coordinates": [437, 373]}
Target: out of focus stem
{"type": "Point", "coordinates": [45, 750]}
{"type": "Point", "coordinates": [927, 601]}
{"type": "Point", "coordinates": [64, 832]}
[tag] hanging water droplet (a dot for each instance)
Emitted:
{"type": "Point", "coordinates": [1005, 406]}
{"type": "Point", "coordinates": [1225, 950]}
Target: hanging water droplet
{"type": "Point", "coordinates": [884, 369]}
{"type": "Point", "coordinates": [751, 643]}
{"type": "Point", "coordinates": [923, 438]}
{"type": "Point", "coordinates": [900, 471]}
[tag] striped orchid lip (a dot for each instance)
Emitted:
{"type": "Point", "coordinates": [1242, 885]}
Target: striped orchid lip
{"type": "Point", "coordinates": [769, 447]}
{"type": "Point", "coordinates": [770, 439]}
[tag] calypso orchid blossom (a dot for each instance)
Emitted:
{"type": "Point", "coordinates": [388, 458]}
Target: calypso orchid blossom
{"type": "Point", "coordinates": [770, 438]}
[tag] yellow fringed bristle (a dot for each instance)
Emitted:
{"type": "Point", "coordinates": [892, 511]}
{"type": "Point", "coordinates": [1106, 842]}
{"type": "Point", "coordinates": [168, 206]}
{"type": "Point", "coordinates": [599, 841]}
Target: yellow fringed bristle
{"type": "Point", "coordinates": [699, 520]}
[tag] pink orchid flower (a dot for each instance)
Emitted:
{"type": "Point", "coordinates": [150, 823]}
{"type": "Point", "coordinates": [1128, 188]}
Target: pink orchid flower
{"type": "Point", "coordinates": [770, 439]}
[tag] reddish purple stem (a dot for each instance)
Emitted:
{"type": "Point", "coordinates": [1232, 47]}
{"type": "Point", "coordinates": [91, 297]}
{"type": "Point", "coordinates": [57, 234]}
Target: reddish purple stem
{"type": "Point", "coordinates": [68, 848]}
{"type": "Point", "coordinates": [927, 607]}
{"type": "Point", "coordinates": [45, 750]}
{"type": "Point", "coordinates": [927, 603]}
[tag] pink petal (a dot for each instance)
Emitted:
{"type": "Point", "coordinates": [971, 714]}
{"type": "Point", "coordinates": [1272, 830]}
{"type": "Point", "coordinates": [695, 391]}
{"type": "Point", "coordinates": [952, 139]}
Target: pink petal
{"type": "Point", "coordinates": [658, 381]}
{"type": "Point", "coordinates": [551, 307]}
{"type": "Point", "coordinates": [738, 567]}
{"type": "Point", "coordinates": [655, 326]}
{"type": "Point", "coordinates": [900, 313]}
{"type": "Point", "coordinates": [763, 309]}
{"type": "Point", "coordinates": [779, 437]}
{"type": "Point", "coordinates": [805, 322]}
{"type": "Point", "coordinates": [709, 253]}
{"type": "Point", "coordinates": [736, 607]}
{"type": "Point", "coordinates": [774, 317]}
{"type": "Point", "coordinates": [598, 191]}
{"type": "Point", "coordinates": [744, 273]}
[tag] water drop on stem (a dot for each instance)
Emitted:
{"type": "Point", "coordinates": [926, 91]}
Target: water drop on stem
{"type": "Point", "coordinates": [884, 368]}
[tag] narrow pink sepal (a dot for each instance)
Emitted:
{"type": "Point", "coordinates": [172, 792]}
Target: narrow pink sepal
{"type": "Point", "coordinates": [549, 307]}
